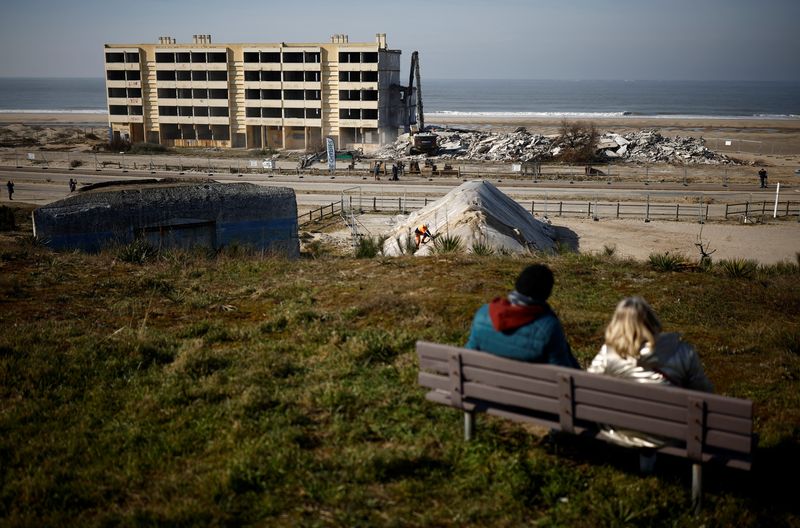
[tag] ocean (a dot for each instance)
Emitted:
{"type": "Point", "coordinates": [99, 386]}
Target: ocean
{"type": "Point", "coordinates": [511, 98]}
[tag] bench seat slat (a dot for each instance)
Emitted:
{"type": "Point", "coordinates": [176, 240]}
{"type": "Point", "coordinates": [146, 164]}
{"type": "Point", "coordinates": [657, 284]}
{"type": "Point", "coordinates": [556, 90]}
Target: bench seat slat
{"type": "Point", "coordinates": [663, 393]}
{"type": "Point", "coordinates": [729, 424]}
{"type": "Point", "coordinates": [507, 397]}
{"type": "Point", "coordinates": [432, 381]}
{"type": "Point", "coordinates": [730, 459]}
{"type": "Point", "coordinates": [433, 365]}
{"type": "Point", "coordinates": [625, 420]}
{"type": "Point", "coordinates": [674, 413]}
{"type": "Point", "coordinates": [511, 381]}
{"type": "Point", "coordinates": [729, 442]}
{"type": "Point", "coordinates": [475, 358]}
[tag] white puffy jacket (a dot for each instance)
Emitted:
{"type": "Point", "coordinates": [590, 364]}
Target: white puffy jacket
{"type": "Point", "coordinates": [673, 362]}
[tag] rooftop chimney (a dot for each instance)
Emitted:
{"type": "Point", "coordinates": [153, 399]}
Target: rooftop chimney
{"type": "Point", "coordinates": [380, 38]}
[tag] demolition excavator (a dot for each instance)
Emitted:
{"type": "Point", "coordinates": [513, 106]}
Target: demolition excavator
{"type": "Point", "coordinates": [422, 142]}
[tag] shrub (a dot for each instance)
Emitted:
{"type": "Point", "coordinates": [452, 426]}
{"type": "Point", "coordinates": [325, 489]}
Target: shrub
{"type": "Point", "coordinates": [738, 268]}
{"type": "Point", "coordinates": [369, 247]}
{"type": "Point", "coordinates": [609, 251]}
{"type": "Point", "coordinates": [667, 262]}
{"type": "Point", "coordinates": [148, 148]}
{"type": "Point", "coordinates": [448, 244]}
{"type": "Point", "coordinates": [482, 249]}
{"type": "Point", "coordinates": [75, 163]}
{"type": "Point", "coordinates": [137, 252]}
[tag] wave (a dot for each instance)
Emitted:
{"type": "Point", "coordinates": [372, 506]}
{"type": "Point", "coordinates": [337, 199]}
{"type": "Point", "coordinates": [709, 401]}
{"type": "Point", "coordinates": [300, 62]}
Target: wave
{"type": "Point", "coordinates": [52, 111]}
{"type": "Point", "coordinates": [589, 115]}
{"type": "Point", "coordinates": [454, 113]}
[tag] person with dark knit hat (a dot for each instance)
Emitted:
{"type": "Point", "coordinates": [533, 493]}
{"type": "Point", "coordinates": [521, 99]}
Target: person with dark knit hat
{"type": "Point", "coordinates": [522, 325]}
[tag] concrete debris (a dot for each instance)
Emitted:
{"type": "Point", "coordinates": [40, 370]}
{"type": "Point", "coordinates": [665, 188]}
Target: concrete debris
{"type": "Point", "coordinates": [645, 146]}
{"type": "Point", "coordinates": [478, 213]}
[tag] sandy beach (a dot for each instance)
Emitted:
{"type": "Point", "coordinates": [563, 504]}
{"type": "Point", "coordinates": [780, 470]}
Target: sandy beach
{"type": "Point", "coordinates": [774, 143]}
{"type": "Point", "coordinates": [750, 139]}
{"type": "Point", "coordinates": [64, 119]}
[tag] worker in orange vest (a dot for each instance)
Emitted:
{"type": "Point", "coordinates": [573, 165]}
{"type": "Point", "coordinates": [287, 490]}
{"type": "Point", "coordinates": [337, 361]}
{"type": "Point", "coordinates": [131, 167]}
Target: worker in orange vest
{"type": "Point", "coordinates": [422, 233]}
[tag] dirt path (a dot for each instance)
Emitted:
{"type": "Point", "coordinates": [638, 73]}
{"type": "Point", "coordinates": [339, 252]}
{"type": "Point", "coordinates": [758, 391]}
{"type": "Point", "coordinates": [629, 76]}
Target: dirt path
{"type": "Point", "coordinates": [766, 243]}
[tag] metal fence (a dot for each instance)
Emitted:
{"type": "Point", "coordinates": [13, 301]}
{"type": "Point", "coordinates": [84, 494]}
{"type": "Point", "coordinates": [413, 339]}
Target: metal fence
{"type": "Point", "coordinates": [699, 212]}
{"type": "Point", "coordinates": [748, 209]}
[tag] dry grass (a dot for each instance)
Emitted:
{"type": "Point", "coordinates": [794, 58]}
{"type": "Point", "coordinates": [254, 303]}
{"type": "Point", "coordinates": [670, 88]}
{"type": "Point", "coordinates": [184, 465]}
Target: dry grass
{"type": "Point", "coordinates": [237, 389]}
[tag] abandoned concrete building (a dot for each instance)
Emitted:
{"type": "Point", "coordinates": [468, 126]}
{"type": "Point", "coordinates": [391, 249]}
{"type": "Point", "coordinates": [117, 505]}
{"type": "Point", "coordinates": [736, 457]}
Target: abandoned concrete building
{"type": "Point", "coordinates": [281, 96]}
{"type": "Point", "coordinates": [172, 214]}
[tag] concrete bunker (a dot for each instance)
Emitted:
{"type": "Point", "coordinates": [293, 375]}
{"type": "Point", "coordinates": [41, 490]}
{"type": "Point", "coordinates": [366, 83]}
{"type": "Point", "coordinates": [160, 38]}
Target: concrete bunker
{"type": "Point", "coordinates": [172, 214]}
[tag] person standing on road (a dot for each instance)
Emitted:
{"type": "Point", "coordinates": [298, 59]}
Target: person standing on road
{"type": "Point", "coordinates": [10, 186]}
{"type": "Point", "coordinates": [762, 175]}
{"type": "Point", "coordinates": [72, 185]}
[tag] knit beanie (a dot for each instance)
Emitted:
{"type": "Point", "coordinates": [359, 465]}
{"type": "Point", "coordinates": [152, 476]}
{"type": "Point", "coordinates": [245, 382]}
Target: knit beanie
{"type": "Point", "coordinates": [535, 281]}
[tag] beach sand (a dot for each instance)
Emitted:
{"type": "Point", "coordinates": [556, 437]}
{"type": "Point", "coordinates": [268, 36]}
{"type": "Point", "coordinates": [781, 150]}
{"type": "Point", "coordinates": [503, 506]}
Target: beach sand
{"type": "Point", "coordinates": [774, 143]}
{"type": "Point", "coordinates": [770, 142]}
{"type": "Point", "coordinates": [42, 119]}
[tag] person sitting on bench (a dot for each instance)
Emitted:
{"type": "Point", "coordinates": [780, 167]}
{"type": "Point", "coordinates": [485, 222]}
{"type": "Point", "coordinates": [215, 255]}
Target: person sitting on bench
{"type": "Point", "coordinates": [523, 326]}
{"type": "Point", "coordinates": [636, 349]}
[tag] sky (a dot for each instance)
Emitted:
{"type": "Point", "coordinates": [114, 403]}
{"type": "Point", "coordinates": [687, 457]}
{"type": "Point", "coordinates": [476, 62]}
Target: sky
{"type": "Point", "coordinates": [456, 39]}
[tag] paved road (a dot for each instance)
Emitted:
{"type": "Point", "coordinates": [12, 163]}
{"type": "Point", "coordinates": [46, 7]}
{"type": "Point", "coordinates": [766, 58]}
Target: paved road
{"type": "Point", "coordinates": [42, 186]}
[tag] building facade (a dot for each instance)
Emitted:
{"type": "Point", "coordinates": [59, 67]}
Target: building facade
{"type": "Point", "coordinates": [279, 96]}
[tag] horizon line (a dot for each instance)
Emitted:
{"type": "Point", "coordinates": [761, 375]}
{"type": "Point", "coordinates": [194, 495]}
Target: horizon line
{"type": "Point", "coordinates": [20, 77]}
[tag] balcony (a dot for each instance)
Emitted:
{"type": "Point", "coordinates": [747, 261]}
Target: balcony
{"type": "Point", "coordinates": [358, 123]}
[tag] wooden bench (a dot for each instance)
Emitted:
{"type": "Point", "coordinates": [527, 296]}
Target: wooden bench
{"type": "Point", "coordinates": [702, 427]}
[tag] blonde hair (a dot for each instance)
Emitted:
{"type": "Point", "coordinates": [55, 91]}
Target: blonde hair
{"type": "Point", "coordinates": [633, 325]}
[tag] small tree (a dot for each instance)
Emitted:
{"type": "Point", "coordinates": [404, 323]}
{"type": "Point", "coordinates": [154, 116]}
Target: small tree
{"type": "Point", "coordinates": [578, 141]}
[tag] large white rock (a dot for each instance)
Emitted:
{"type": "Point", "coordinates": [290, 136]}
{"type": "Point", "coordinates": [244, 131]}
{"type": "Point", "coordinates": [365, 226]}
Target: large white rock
{"type": "Point", "coordinates": [478, 213]}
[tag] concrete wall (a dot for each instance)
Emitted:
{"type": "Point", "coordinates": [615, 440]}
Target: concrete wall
{"type": "Point", "coordinates": [211, 215]}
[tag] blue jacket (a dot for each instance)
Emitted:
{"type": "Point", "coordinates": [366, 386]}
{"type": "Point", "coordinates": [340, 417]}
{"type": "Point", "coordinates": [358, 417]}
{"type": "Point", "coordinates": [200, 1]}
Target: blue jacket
{"type": "Point", "coordinates": [541, 340]}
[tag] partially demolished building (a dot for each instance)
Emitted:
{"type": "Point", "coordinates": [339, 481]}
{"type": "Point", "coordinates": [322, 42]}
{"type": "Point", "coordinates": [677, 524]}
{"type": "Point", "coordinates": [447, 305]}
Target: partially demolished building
{"type": "Point", "coordinates": [170, 214]}
{"type": "Point", "coordinates": [280, 95]}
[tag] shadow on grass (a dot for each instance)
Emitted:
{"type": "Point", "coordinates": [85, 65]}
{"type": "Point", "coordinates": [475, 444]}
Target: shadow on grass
{"type": "Point", "coordinates": [768, 484]}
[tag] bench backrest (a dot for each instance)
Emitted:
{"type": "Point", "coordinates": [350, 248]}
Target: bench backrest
{"type": "Point", "coordinates": [704, 426]}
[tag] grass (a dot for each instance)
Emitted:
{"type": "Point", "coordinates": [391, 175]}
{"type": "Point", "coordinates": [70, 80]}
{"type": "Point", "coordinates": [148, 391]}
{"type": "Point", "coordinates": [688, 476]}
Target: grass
{"type": "Point", "coordinates": [232, 389]}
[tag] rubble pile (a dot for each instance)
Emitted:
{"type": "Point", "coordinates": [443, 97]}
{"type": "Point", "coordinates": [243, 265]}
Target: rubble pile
{"type": "Point", "coordinates": [645, 146]}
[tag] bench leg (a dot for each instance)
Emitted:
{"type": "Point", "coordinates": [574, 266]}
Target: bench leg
{"type": "Point", "coordinates": [469, 425]}
{"type": "Point", "coordinates": [697, 487]}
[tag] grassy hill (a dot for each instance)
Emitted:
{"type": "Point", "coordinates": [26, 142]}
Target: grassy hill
{"type": "Point", "coordinates": [184, 389]}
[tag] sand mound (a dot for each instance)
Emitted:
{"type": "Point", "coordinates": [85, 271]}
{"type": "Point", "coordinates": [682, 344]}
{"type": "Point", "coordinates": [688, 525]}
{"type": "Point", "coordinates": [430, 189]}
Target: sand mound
{"type": "Point", "coordinates": [478, 213]}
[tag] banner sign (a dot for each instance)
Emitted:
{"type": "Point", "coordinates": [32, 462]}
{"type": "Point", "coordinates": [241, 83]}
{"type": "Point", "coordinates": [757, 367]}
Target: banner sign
{"type": "Point", "coordinates": [331, 154]}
